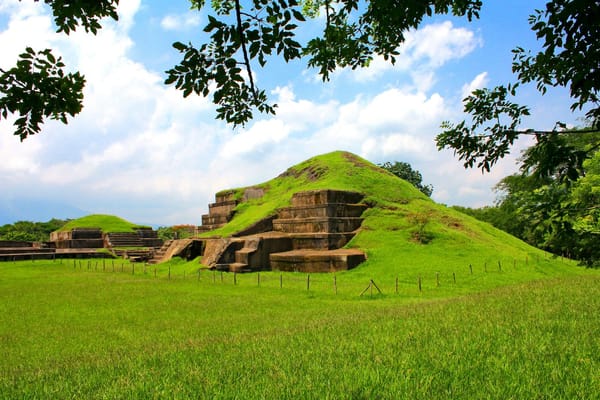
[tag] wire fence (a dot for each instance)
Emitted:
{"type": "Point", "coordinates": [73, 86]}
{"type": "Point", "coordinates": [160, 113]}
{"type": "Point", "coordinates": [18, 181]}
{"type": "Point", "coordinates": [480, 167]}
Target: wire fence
{"type": "Point", "coordinates": [410, 284]}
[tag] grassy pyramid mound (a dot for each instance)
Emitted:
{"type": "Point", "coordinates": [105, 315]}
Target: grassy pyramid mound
{"type": "Point", "coordinates": [405, 234]}
{"type": "Point", "coordinates": [107, 223]}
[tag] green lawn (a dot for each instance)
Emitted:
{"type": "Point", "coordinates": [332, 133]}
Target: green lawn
{"type": "Point", "coordinates": [77, 329]}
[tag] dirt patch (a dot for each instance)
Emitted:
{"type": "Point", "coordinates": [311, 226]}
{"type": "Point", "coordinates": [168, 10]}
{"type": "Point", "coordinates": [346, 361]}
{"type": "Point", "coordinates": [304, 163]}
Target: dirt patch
{"type": "Point", "coordinates": [312, 173]}
{"type": "Point", "coordinates": [354, 159]}
{"type": "Point", "coordinates": [451, 222]}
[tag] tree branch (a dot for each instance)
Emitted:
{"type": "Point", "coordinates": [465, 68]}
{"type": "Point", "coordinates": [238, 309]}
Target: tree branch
{"type": "Point", "coordinates": [240, 29]}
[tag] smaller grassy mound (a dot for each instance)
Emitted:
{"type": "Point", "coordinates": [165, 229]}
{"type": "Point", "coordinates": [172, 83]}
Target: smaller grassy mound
{"type": "Point", "coordinates": [108, 223]}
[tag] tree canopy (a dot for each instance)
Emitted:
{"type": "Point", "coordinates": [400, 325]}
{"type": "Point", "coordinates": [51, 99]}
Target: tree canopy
{"type": "Point", "coordinates": [38, 87]}
{"type": "Point", "coordinates": [570, 58]}
{"type": "Point", "coordinates": [560, 216]}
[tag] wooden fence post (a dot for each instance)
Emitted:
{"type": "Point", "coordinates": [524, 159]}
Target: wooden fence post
{"type": "Point", "coordinates": [437, 279]}
{"type": "Point", "coordinates": [471, 268]}
{"type": "Point", "coordinates": [307, 282]}
{"type": "Point", "coordinates": [420, 288]}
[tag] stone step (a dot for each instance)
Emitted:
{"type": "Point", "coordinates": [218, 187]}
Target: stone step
{"type": "Point", "coordinates": [124, 239]}
{"type": "Point", "coordinates": [317, 225]}
{"type": "Point", "coordinates": [317, 261]}
{"type": "Point", "coordinates": [208, 219]}
{"type": "Point", "coordinates": [222, 208]}
{"type": "Point", "coordinates": [322, 210]}
{"type": "Point", "coordinates": [25, 250]}
{"type": "Point", "coordinates": [320, 241]}
{"type": "Point", "coordinates": [316, 197]}
{"type": "Point", "coordinates": [250, 246]}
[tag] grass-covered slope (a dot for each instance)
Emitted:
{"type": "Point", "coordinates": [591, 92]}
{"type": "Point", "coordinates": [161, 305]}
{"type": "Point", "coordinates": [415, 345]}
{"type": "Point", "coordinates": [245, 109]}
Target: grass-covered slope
{"type": "Point", "coordinates": [108, 223]}
{"type": "Point", "coordinates": [403, 231]}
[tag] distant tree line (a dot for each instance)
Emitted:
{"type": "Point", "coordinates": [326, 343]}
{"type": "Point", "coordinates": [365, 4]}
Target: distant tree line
{"type": "Point", "coordinates": [27, 231]}
{"type": "Point", "coordinates": [548, 211]}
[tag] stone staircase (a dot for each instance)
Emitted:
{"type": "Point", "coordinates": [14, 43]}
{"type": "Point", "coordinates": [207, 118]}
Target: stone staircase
{"type": "Point", "coordinates": [159, 254]}
{"type": "Point", "coordinates": [124, 239]}
{"type": "Point", "coordinates": [139, 246]}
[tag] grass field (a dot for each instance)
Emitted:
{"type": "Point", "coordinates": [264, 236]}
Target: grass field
{"type": "Point", "coordinates": [468, 313]}
{"type": "Point", "coordinates": [77, 329]}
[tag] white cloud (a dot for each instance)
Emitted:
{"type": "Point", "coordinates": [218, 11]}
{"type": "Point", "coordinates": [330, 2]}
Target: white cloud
{"type": "Point", "coordinates": [424, 50]}
{"type": "Point", "coordinates": [480, 81]}
{"type": "Point", "coordinates": [181, 22]}
{"type": "Point", "coordinates": [127, 9]}
{"type": "Point", "coordinates": [436, 44]}
{"type": "Point", "coordinates": [261, 135]}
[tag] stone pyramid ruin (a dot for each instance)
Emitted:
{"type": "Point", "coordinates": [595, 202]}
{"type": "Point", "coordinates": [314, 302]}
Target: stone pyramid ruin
{"type": "Point", "coordinates": [307, 236]}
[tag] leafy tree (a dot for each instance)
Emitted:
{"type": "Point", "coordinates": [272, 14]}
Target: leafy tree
{"type": "Point", "coordinates": [404, 171]}
{"type": "Point", "coordinates": [38, 87]}
{"type": "Point", "coordinates": [28, 231]}
{"type": "Point", "coordinates": [560, 216]}
{"type": "Point", "coordinates": [570, 33]}
{"type": "Point", "coordinates": [242, 34]}
{"type": "Point", "coordinates": [165, 233]}
{"type": "Point", "coordinates": [176, 232]}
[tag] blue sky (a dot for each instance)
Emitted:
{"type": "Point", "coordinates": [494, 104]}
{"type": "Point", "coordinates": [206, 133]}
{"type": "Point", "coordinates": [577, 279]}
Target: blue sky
{"type": "Point", "coordinates": [141, 151]}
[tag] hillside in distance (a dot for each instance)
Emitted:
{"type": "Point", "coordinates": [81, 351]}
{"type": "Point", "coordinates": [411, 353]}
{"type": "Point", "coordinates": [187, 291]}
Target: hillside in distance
{"type": "Point", "coordinates": [404, 232]}
{"type": "Point", "coordinates": [105, 222]}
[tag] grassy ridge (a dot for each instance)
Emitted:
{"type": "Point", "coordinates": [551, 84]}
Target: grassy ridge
{"type": "Point", "coordinates": [68, 332]}
{"type": "Point", "coordinates": [108, 223]}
